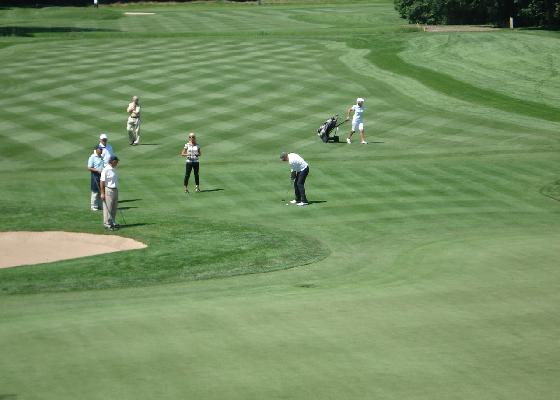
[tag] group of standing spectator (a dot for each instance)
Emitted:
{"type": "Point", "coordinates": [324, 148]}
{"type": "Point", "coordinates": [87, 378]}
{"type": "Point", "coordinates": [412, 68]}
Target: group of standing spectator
{"type": "Point", "coordinates": [102, 164]}
{"type": "Point", "coordinates": [104, 181]}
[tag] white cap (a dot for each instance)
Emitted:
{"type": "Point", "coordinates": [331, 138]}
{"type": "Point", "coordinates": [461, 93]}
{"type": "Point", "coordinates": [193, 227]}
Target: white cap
{"type": "Point", "coordinates": [359, 99]}
{"type": "Point", "coordinates": [102, 136]}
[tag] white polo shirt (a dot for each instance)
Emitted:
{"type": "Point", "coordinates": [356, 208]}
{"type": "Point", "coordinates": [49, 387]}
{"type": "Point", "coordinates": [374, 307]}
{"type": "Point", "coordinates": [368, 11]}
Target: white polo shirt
{"type": "Point", "coordinates": [358, 113]}
{"type": "Point", "coordinates": [107, 152]}
{"type": "Point", "coordinates": [297, 163]}
{"type": "Point", "coordinates": [110, 177]}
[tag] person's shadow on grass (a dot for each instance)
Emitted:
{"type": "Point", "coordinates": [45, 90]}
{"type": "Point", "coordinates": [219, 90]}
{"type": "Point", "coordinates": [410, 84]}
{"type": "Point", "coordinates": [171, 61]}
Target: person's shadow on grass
{"type": "Point", "coordinates": [128, 200]}
{"type": "Point", "coordinates": [211, 190]}
{"type": "Point", "coordinates": [125, 226]}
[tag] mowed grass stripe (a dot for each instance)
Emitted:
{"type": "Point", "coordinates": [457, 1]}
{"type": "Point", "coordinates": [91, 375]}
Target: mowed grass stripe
{"type": "Point", "coordinates": [107, 83]}
{"type": "Point", "coordinates": [466, 54]}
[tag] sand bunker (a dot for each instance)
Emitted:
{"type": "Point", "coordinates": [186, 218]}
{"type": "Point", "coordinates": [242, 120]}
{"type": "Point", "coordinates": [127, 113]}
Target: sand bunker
{"type": "Point", "coordinates": [25, 248]}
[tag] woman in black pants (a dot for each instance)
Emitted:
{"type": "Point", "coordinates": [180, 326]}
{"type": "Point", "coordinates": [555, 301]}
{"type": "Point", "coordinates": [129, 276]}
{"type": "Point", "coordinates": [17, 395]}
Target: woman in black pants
{"type": "Point", "coordinates": [192, 152]}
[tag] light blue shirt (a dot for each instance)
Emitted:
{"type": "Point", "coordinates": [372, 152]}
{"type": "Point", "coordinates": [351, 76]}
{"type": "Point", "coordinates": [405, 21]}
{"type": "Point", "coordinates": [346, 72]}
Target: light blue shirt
{"type": "Point", "coordinates": [96, 162]}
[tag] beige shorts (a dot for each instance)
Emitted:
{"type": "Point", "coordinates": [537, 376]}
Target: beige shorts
{"type": "Point", "coordinates": [357, 126]}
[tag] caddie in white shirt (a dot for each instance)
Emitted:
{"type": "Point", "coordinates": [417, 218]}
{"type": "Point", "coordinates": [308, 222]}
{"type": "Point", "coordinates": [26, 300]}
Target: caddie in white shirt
{"type": "Point", "coordinates": [357, 111]}
{"type": "Point", "coordinates": [107, 148]}
{"type": "Point", "coordinates": [109, 181]}
{"type": "Point", "coordinates": [299, 170]}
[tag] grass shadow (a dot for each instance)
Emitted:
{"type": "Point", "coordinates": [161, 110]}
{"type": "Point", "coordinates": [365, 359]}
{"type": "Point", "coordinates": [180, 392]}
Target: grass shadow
{"type": "Point", "coordinates": [30, 31]}
{"type": "Point", "coordinates": [211, 190]}
{"type": "Point", "coordinates": [125, 226]}
{"type": "Point", "coordinates": [128, 200]}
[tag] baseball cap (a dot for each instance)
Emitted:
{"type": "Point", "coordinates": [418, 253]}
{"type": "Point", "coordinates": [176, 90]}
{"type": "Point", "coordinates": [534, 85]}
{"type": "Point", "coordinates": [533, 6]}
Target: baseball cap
{"type": "Point", "coordinates": [283, 155]}
{"type": "Point", "coordinates": [98, 147]}
{"type": "Point", "coordinates": [103, 136]}
{"type": "Point", "coordinates": [113, 158]}
{"type": "Point", "coordinates": [359, 99]}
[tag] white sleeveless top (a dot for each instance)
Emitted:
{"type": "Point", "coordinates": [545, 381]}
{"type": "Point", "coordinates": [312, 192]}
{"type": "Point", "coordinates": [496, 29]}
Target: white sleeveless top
{"type": "Point", "coordinates": [358, 113]}
{"type": "Point", "coordinates": [193, 151]}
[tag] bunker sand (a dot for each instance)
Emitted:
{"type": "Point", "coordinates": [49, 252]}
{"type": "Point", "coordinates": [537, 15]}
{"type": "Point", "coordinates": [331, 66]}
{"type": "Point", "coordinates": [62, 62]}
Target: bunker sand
{"type": "Point", "coordinates": [27, 248]}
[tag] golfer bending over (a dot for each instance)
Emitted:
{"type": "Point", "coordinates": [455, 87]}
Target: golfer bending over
{"type": "Point", "coordinates": [110, 193]}
{"type": "Point", "coordinates": [133, 122]}
{"type": "Point", "coordinates": [299, 171]}
{"type": "Point", "coordinates": [192, 152]}
{"type": "Point", "coordinates": [357, 111]}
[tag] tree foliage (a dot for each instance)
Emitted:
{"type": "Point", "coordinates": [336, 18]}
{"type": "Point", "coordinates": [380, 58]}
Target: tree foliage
{"type": "Point", "coordinates": [544, 13]}
{"type": "Point", "coordinates": [80, 3]}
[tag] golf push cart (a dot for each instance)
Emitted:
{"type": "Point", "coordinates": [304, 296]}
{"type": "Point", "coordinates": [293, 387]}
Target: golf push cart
{"type": "Point", "coordinates": [325, 130]}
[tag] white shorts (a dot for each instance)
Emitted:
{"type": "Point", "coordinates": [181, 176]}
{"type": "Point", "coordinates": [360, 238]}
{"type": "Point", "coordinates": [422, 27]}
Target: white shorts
{"type": "Point", "coordinates": [357, 125]}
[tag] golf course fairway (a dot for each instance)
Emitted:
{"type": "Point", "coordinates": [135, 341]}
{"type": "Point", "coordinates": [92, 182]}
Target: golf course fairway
{"type": "Point", "coordinates": [425, 267]}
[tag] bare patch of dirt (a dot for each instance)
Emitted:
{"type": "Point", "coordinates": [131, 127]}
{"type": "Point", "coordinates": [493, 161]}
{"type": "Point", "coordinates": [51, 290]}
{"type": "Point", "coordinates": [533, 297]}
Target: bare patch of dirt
{"type": "Point", "coordinates": [458, 28]}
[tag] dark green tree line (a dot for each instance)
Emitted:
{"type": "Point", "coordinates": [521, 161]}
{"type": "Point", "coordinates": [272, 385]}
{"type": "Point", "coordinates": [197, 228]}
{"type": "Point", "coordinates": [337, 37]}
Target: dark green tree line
{"type": "Point", "coordinates": [542, 13]}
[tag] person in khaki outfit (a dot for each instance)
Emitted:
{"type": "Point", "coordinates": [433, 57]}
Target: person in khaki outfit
{"type": "Point", "coordinates": [110, 193]}
{"type": "Point", "coordinates": [133, 122]}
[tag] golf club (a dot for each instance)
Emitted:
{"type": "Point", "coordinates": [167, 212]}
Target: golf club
{"type": "Point", "coordinates": [122, 216]}
{"type": "Point", "coordinates": [286, 196]}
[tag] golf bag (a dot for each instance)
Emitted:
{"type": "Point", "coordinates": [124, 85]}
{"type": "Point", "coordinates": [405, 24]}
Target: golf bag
{"type": "Point", "coordinates": [325, 130]}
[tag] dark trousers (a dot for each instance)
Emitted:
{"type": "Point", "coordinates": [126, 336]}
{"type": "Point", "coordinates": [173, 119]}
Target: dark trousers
{"type": "Point", "coordinates": [94, 184]}
{"type": "Point", "coordinates": [299, 185]}
{"type": "Point", "coordinates": [188, 168]}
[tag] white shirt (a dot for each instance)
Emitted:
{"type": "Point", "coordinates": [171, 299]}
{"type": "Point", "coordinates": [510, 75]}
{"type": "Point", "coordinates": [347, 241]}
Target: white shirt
{"type": "Point", "coordinates": [358, 113]}
{"type": "Point", "coordinates": [297, 163]}
{"type": "Point", "coordinates": [110, 177]}
{"type": "Point", "coordinates": [107, 152]}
